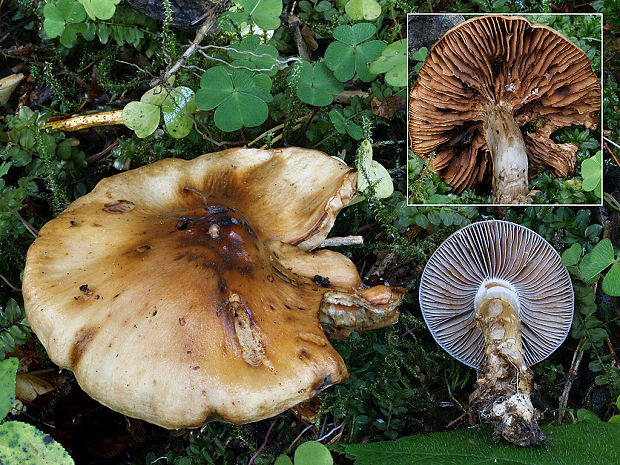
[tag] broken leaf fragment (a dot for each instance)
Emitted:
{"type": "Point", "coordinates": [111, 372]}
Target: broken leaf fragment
{"type": "Point", "coordinates": [35, 447]}
{"type": "Point", "coordinates": [8, 85]}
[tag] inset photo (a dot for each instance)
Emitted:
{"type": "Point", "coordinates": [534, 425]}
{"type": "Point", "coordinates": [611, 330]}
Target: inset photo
{"type": "Point", "coordinates": [505, 110]}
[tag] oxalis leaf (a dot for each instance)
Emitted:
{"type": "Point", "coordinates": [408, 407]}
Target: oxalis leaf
{"type": "Point", "coordinates": [392, 62]}
{"type": "Point", "coordinates": [575, 444]}
{"type": "Point", "coordinates": [317, 85]}
{"type": "Point", "coordinates": [35, 447]}
{"type": "Point", "coordinates": [349, 54]}
{"type": "Point", "coordinates": [363, 9]}
{"type": "Point", "coordinates": [596, 261]}
{"type": "Point", "coordinates": [240, 97]}
{"type": "Point", "coordinates": [58, 15]}
{"type": "Point", "coordinates": [265, 13]}
{"type": "Point", "coordinates": [142, 117]}
{"type": "Point", "coordinates": [100, 9]}
{"type": "Point", "coordinates": [178, 108]}
{"type": "Point", "coordinates": [611, 282]}
{"type": "Point", "coordinates": [8, 371]}
{"type": "Point", "coordinates": [313, 453]}
{"type": "Point", "coordinates": [591, 171]}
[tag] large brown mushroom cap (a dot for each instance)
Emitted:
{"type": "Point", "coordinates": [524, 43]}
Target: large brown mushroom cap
{"type": "Point", "coordinates": [490, 252]}
{"type": "Point", "coordinates": [179, 292]}
{"type": "Point", "coordinates": [496, 60]}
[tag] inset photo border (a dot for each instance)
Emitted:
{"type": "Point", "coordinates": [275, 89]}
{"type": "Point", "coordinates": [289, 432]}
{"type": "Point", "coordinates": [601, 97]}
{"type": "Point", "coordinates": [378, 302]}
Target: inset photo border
{"type": "Point", "coordinates": [504, 109]}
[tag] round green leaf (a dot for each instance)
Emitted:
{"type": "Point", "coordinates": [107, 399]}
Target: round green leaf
{"type": "Point", "coordinates": [54, 22]}
{"type": "Point", "coordinates": [363, 9]}
{"type": "Point", "coordinates": [379, 177]}
{"type": "Point", "coordinates": [155, 96]}
{"type": "Point", "coordinates": [591, 171]}
{"type": "Point", "coordinates": [338, 121]}
{"type": "Point", "coordinates": [317, 85]}
{"type": "Point", "coordinates": [611, 282]}
{"type": "Point", "coordinates": [265, 13]}
{"type": "Point", "coordinates": [178, 108]}
{"type": "Point", "coordinates": [240, 109]}
{"type": "Point", "coordinates": [283, 460]}
{"type": "Point", "coordinates": [392, 62]}
{"type": "Point", "coordinates": [142, 117]}
{"type": "Point", "coordinates": [366, 54]}
{"type": "Point", "coordinates": [35, 447]}
{"type": "Point", "coordinates": [340, 58]}
{"type": "Point", "coordinates": [100, 9]}
{"type": "Point", "coordinates": [215, 87]}
{"type": "Point", "coordinates": [8, 370]}
{"type": "Point", "coordinates": [596, 261]}
{"type": "Point", "coordinates": [313, 453]}
{"type": "Point", "coordinates": [571, 255]}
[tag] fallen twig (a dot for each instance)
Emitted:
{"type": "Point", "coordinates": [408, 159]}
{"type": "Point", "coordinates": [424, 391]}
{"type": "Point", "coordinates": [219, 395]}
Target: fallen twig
{"type": "Point", "coordinates": [339, 241]}
{"type": "Point", "coordinates": [78, 123]}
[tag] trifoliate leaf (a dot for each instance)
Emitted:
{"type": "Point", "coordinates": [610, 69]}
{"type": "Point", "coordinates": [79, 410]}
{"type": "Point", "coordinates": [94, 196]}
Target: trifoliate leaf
{"type": "Point", "coordinates": [317, 85]}
{"type": "Point", "coordinates": [57, 16]}
{"type": "Point", "coordinates": [178, 108]}
{"type": "Point", "coordinates": [21, 443]}
{"type": "Point", "coordinates": [142, 117]}
{"type": "Point", "coordinates": [596, 261]}
{"type": "Point", "coordinates": [392, 62]}
{"type": "Point", "coordinates": [313, 453]}
{"type": "Point", "coordinates": [238, 95]}
{"type": "Point", "coordinates": [348, 55]}
{"type": "Point", "coordinates": [8, 370]}
{"type": "Point", "coordinates": [215, 86]}
{"type": "Point", "coordinates": [363, 9]}
{"type": "Point", "coordinates": [265, 13]}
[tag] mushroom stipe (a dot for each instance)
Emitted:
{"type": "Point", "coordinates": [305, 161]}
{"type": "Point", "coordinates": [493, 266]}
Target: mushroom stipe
{"type": "Point", "coordinates": [496, 296]}
{"type": "Point", "coordinates": [203, 301]}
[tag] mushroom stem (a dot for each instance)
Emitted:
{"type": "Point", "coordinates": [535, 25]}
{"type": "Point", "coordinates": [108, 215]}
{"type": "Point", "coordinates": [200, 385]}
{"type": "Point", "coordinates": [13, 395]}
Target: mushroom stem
{"type": "Point", "coordinates": [505, 143]}
{"type": "Point", "coordinates": [504, 380]}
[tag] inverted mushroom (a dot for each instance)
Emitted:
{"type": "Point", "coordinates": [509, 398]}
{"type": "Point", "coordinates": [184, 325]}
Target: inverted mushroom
{"type": "Point", "coordinates": [485, 79]}
{"type": "Point", "coordinates": [496, 296]}
{"type": "Point", "coordinates": [183, 291]}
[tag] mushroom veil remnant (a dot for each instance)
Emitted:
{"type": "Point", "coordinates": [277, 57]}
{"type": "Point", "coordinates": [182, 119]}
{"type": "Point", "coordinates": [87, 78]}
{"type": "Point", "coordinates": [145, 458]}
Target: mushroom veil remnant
{"type": "Point", "coordinates": [496, 296]}
{"type": "Point", "coordinates": [185, 291]}
{"type": "Point", "coordinates": [485, 79]}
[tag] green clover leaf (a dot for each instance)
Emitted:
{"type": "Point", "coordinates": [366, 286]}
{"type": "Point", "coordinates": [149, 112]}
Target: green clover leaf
{"type": "Point", "coordinates": [58, 16]}
{"type": "Point", "coordinates": [266, 59]}
{"type": "Point", "coordinates": [350, 54]}
{"type": "Point", "coordinates": [363, 9]}
{"type": "Point", "coordinates": [596, 261]}
{"type": "Point", "coordinates": [317, 85]}
{"type": "Point", "coordinates": [264, 13]}
{"type": "Point", "coordinates": [591, 171]}
{"type": "Point", "coordinates": [611, 282]}
{"type": "Point", "coordinates": [313, 453]}
{"type": "Point", "coordinates": [142, 117]}
{"type": "Point", "coordinates": [392, 62]}
{"type": "Point", "coordinates": [177, 108]}
{"type": "Point", "coordinates": [100, 9]}
{"type": "Point", "coordinates": [239, 97]}
{"type": "Point", "coordinates": [8, 370]}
